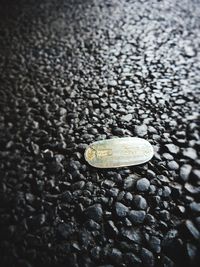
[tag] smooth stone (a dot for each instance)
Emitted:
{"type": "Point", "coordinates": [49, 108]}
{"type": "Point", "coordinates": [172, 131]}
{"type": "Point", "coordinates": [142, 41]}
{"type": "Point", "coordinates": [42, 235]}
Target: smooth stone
{"type": "Point", "coordinates": [120, 209]}
{"type": "Point", "coordinates": [94, 212]}
{"type": "Point", "coordinates": [185, 171]}
{"type": "Point", "coordinates": [172, 148]}
{"type": "Point", "coordinates": [173, 165]}
{"type": "Point", "coordinates": [119, 152]}
{"type": "Point", "coordinates": [190, 153]}
{"type": "Point", "coordinates": [143, 184]}
{"type": "Point", "coordinates": [137, 216]}
{"type": "Point", "coordinates": [141, 130]}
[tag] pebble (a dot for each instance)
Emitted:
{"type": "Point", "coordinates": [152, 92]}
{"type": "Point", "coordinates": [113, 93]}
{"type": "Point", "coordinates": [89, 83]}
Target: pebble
{"type": "Point", "coordinates": [140, 202]}
{"type": "Point", "coordinates": [190, 153]}
{"type": "Point", "coordinates": [192, 230]}
{"type": "Point", "coordinates": [94, 212]}
{"type": "Point", "coordinates": [173, 165]}
{"type": "Point", "coordinates": [185, 171]}
{"type": "Point", "coordinates": [127, 117]}
{"type": "Point", "coordinates": [129, 183]}
{"type": "Point", "coordinates": [147, 257]}
{"type": "Point", "coordinates": [143, 185]}
{"type": "Point", "coordinates": [173, 149]}
{"type": "Point", "coordinates": [141, 130]}
{"type": "Point", "coordinates": [120, 209]}
{"type": "Point", "coordinates": [131, 234]}
{"type": "Point", "coordinates": [195, 207]}
{"type": "Point", "coordinates": [155, 244]}
{"type": "Point", "coordinates": [137, 216]}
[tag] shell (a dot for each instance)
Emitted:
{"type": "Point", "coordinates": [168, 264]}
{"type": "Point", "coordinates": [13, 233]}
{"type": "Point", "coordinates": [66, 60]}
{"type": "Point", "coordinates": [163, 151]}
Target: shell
{"type": "Point", "coordinates": [118, 152]}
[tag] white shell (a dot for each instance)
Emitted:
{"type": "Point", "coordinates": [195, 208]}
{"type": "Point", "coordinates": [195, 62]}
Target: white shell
{"type": "Point", "coordinates": [119, 152]}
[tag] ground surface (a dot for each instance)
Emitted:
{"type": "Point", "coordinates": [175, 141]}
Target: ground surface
{"type": "Point", "coordinates": [73, 72]}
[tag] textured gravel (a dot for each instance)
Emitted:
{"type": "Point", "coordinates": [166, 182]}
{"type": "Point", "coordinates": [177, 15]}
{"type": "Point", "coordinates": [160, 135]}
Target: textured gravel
{"type": "Point", "coordinates": [73, 72]}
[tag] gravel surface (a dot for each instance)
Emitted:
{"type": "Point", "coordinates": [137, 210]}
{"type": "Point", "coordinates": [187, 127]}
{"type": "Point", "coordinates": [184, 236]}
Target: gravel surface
{"type": "Point", "coordinates": [73, 72]}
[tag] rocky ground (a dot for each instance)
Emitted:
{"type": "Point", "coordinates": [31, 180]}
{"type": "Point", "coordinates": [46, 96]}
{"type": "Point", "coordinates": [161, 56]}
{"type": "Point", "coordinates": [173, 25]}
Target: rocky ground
{"type": "Point", "coordinates": [73, 72]}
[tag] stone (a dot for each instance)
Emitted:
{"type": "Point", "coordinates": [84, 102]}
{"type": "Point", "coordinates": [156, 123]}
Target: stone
{"type": "Point", "coordinates": [185, 171]}
{"type": "Point", "coordinates": [166, 191]}
{"type": "Point", "coordinates": [143, 184]}
{"type": "Point", "coordinates": [120, 209]}
{"type": "Point", "coordinates": [118, 152]}
{"type": "Point", "coordinates": [173, 165]}
{"type": "Point", "coordinates": [129, 182]}
{"type": "Point", "coordinates": [155, 244]}
{"type": "Point", "coordinates": [137, 216]}
{"type": "Point", "coordinates": [190, 153]}
{"type": "Point", "coordinates": [173, 149]}
{"type": "Point", "coordinates": [192, 230]}
{"type": "Point", "coordinates": [140, 202]}
{"type": "Point", "coordinates": [127, 117]}
{"type": "Point", "coordinates": [132, 260]}
{"type": "Point", "coordinates": [141, 130]}
{"type": "Point", "coordinates": [131, 234]}
{"type": "Point", "coordinates": [94, 212]}
{"type": "Point", "coordinates": [147, 257]}
{"type": "Point", "coordinates": [195, 207]}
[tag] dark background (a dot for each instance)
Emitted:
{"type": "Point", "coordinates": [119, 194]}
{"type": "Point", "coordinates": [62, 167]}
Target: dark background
{"type": "Point", "coordinates": [73, 72]}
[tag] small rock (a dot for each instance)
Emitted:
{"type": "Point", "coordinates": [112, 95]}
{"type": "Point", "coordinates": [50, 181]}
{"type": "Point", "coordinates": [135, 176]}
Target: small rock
{"type": "Point", "coordinates": [132, 260]}
{"type": "Point", "coordinates": [192, 189]}
{"type": "Point", "coordinates": [173, 149]}
{"type": "Point", "coordinates": [115, 255]}
{"type": "Point", "coordinates": [131, 234]}
{"type": "Point", "coordinates": [192, 230]}
{"type": "Point", "coordinates": [195, 207]}
{"type": "Point", "coordinates": [129, 183]}
{"type": "Point", "coordinates": [94, 212]}
{"type": "Point", "coordinates": [191, 251]}
{"type": "Point", "coordinates": [147, 257]}
{"type": "Point", "coordinates": [173, 165]}
{"type": "Point", "coordinates": [137, 216]}
{"type": "Point", "coordinates": [143, 184]}
{"type": "Point", "coordinates": [155, 244]}
{"type": "Point", "coordinates": [139, 202]}
{"type": "Point", "coordinates": [166, 191]}
{"type": "Point", "coordinates": [127, 117]}
{"type": "Point", "coordinates": [185, 171]}
{"type": "Point", "coordinates": [65, 230]}
{"type": "Point", "coordinates": [141, 130]}
{"type": "Point", "coordinates": [120, 209]}
{"type": "Point", "coordinates": [112, 83]}
{"type": "Point", "coordinates": [190, 153]}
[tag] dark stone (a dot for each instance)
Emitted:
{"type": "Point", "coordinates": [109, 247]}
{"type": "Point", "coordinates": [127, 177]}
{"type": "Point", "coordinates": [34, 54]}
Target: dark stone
{"type": "Point", "coordinates": [140, 202]}
{"type": "Point", "coordinates": [190, 153]}
{"type": "Point", "coordinates": [166, 191]}
{"type": "Point", "coordinates": [132, 260]}
{"type": "Point", "coordinates": [185, 171]}
{"type": "Point", "coordinates": [155, 244]}
{"type": "Point", "coordinates": [129, 182]}
{"type": "Point", "coordinates": [131, 234]}
{"type": "Point", "coordinates": [143, 185]}
{"type": "Point", "coordinates": [65, 230]}
{"type": "Point", "coordinates": [173, 149]}
{"type": "Point", "coordinates": [141, 130]}
{"type": "Point", "coordinates": [115, 255]}
{"type": "Point", "coordinates": [173, 165]}
{"type": "Point", "coordinates": [120, 209]}
{"type": "Point", "coordinates": [147, 257]}
{"type": "Point", "coordinates": [137, 216]}
{"type": "Point", "coordinates": [192, 230]}
{"type": "Point", "coordinates": [94, 212]}
{"type": "Point", "coordinates": [195, 207]}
